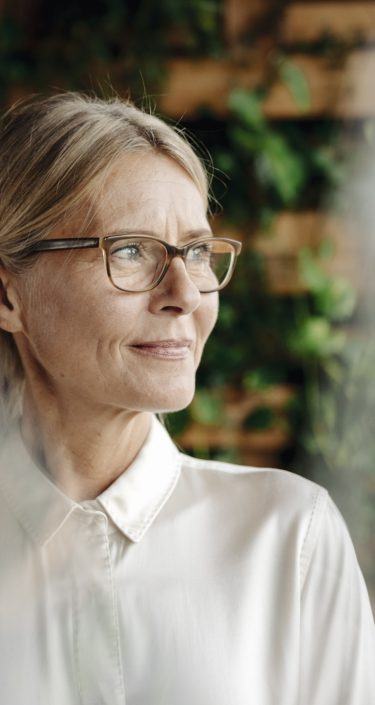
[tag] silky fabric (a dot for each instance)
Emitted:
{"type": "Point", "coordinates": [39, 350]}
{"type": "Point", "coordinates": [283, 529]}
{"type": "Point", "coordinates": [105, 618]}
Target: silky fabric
{"type": "Point", "coordinates": [187, 582]}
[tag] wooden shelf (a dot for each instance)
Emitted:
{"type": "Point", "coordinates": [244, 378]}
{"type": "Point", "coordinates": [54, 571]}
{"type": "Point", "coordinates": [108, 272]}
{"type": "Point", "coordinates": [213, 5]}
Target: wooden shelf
{"type": "Point", "coordinates": [290, 233]}
{"type": "Point", "coordinates": [294, 231]}
{"type": "Point", "coordinates": [344, 92]}
{"type": "Point", "coordinates": [304, 21]}
{"type": "Point", "coordinates": [224, 438]}
{"type": "Point", "coordinates": [239, 404]}
{"type": "Point", "coordinates": [260, 448]}
{"type": "Point", "coordinates": [308, 21]}
{"type": "Point", "coordinates": [253, 447]}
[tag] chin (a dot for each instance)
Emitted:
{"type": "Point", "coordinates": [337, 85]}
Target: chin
{"type": "Point", "coordinates": [169, 401]}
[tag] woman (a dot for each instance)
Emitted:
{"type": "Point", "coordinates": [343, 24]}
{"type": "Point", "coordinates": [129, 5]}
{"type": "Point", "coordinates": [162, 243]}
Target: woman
{"type": "Point", "coordinates": [131, 573]}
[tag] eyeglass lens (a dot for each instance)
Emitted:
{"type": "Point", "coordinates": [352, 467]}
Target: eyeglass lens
{"type": "Point", "coordinates": [137, 264]}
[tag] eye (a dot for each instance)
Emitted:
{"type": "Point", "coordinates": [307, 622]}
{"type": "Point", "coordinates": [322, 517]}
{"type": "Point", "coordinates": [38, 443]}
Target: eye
{"type": "Point", "coordinates": [201, 252]}
{"type": "Point", "coordinates": [129, 251]}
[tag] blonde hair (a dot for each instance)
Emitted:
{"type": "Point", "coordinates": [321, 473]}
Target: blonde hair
{"type": "Point", "coordinates": [53, 152]}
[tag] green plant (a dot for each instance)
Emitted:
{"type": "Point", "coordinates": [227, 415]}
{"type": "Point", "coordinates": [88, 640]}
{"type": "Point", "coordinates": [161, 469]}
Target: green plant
{"type": "Point", "coordinates": [276, 339]}
{"type": "Point", "coordinates": [102, 43]}
{"type": "Point", "coordinates": [261, 339]}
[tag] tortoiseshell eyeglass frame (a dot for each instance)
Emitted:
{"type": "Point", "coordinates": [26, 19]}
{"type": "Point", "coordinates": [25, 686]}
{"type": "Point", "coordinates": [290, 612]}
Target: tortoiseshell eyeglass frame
{"type": "Point", "coordinates": [171, 251]}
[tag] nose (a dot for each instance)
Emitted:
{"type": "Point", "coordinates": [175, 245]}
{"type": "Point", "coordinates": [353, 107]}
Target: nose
{"type": "Point", "coordinates": [176, 291]}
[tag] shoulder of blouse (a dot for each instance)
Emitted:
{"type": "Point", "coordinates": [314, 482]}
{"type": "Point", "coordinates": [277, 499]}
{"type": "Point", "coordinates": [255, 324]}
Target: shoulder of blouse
{"type": "Point", "coordinates": [294, 504]}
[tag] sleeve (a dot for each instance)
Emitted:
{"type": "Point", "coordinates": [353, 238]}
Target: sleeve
{"type": "Point", "coordinates": [337, 646]}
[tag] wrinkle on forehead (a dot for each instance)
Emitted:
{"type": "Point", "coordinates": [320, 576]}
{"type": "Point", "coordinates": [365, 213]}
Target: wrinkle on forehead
{"type": "Point", "coordinates": [156, 192]}
{"type": "Point", "coordinates": [150, 212]}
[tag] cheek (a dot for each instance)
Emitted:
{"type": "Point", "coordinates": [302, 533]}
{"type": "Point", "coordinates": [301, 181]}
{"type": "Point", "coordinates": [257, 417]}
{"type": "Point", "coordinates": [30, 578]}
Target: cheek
{"type": "Point", "coordinates": [91, 329]}
{"type": "Point", "coordinates": [61, 315]}
{"type": "Point", "coordinates": [207, 315]}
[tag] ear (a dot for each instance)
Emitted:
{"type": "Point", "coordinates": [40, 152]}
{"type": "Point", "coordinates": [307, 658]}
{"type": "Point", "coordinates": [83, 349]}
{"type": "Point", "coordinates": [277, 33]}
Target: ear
{"type": "Point", "coordinates": [10, 305]}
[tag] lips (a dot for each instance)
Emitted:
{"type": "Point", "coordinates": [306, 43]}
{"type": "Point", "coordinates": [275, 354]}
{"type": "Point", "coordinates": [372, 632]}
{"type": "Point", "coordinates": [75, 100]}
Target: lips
{"type": "Point", "coordinates": [177, 349]}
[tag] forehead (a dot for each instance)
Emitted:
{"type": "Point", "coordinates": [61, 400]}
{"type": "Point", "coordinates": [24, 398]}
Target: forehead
{"type": "Point", "coordinates": [148, 187]}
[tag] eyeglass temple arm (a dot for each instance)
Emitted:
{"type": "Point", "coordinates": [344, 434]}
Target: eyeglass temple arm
{"type": "Point", "coordinates": [64, 244]}
{"type": "Point", "coordinates": [92, 242]}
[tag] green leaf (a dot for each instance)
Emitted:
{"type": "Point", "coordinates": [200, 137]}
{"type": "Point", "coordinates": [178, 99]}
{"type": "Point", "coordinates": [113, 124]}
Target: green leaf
{"type": "Point", "coordinates": [227, 314]}
{"type": "Point", "coordinates": [280, 167]}
{"type": "Point", "coordinates": [326, 161]}
{"type": "Point", "coordinates": [247, 106]}
{"type": "Point", "coordinates": [246, 139]}
{"type": "Point", "coordinates": [295, 80]}
{"type": "Point", "coordinates": [261, 418]}
{"type": "Point", "coordinates": [266, 218]}
{"type": "Point", "coordinates": [338, 299]}
{"type": "Point", "coordinates": [335, 296]}
{"type": "Point", "coordinates": [225, 161]}
{"type": "Point", "coordinates": [261, 378]}
{"type": "Point", "coordinates": [315, 338]}
{"type": "Point", "coordinates": [207, 408]}
{"type": "Point", "coordinates": [310, 271]}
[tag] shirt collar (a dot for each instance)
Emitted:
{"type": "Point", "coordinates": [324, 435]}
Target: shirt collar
{"type": "Point", "coordinates": [137, 496]}
{"type": "Point", "coordinates": [132, 501]}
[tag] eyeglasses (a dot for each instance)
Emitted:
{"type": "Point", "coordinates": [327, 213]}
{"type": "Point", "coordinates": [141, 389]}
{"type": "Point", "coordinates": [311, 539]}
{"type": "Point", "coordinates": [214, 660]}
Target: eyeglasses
{"type": "Point", "coordinates": [137, 262]}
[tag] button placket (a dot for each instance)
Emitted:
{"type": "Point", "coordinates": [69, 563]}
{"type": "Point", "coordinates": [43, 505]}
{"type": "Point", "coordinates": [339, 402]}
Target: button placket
{"type": "Point", "coordinates": [96, 631]}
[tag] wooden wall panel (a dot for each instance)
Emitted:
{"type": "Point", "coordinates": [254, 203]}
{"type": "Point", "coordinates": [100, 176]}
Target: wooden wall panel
{"type": "Point", "coordinates": [306, 22]}
{"type": "Point", "coordinates": [293, 231]}
{"type": "Point", "coordinates": [346, 91]}
{"type": "Point", "coordinates": [303, 21]}
{"type": "Point", "coordinates": [239, 15]}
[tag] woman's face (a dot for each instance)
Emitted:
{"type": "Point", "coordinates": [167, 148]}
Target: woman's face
{"type": "Point", "coordinates": [83, 339]}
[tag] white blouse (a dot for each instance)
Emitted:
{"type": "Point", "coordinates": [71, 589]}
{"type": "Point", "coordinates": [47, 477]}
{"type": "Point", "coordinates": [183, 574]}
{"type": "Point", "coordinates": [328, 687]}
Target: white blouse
{"type": "Point", "coordinates": [186, 582]}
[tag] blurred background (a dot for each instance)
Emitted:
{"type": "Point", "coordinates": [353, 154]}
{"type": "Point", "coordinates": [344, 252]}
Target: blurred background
{"type": "Point", "coordinates": [281, 95]}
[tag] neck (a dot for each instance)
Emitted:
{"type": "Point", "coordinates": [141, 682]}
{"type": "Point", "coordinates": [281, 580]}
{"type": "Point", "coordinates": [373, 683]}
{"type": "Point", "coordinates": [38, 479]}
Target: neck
{"type": "Point", "coordinates": [82, 450]}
